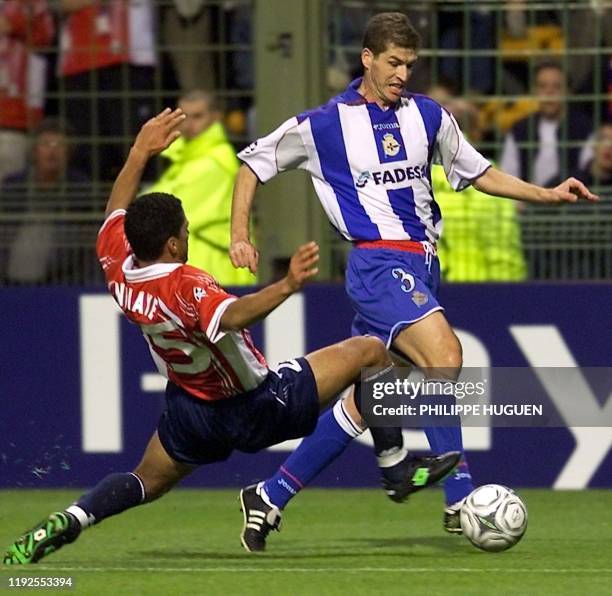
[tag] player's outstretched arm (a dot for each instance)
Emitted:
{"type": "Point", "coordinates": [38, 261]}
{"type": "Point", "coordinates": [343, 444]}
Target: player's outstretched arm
{"type": "Point", "coordinates": [498, 183]}
{"type": "Point", "coordinates": [156, 135]}
{"type": "Point", "coordinates": [242, 252]}
{"type": "Point", "coordinates": [253, 307]}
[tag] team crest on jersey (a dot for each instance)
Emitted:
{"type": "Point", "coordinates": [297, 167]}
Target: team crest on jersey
{"type": "Point", "coordinates": [199, 293]}
{"type": "Point", "coordinates": [390, 145]}
{"type": "Point", "coordinates": [419, 298]}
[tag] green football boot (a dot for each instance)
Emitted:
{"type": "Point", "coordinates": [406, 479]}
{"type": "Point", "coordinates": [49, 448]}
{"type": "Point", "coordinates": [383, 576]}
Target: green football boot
{"type": "Point", "coordinates": [48, 536]}
{"type": "Point", "coordinates": [416, 473]}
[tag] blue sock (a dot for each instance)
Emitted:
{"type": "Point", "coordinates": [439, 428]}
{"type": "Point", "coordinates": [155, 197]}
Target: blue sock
{"type": "Point", "coordinates": [334, 431]}
{"type": "Point", "coordinates": [448, 438]}
{"type": "Point", "coordinates": [114, 494]}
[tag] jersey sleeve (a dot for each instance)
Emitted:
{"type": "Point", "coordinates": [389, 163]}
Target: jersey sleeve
{"type": "Point", "coordinates": [283, 149]}
{"type": "Point", "coordinates": [202, 296]}
{"type": "Point", "coordinates": [112, 246]}
{"type": "Point", "coordinates": [462, 163]}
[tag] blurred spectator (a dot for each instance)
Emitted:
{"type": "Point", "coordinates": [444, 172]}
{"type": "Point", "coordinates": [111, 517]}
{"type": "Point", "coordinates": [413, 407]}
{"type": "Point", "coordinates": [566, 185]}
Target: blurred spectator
{"type": "Point", "coordinates": [479, 22]}
{"type": "Point", "coordinates": [528, 30]}
{"type": "Point", "coordinates": [481, 239]}
{"type": "Point", "coordinates": [443, 92]}
{"type": "Point", "coordinates": [106, 65]}
{"type": "Point", "coordinates": [583, 28]}
{"type": "Point", "coordinates": [186, 29]}
{"type": "Point", "coordinates": [589, 26]}
{"type": "Point", "coordinates": [241, 71]}
{"type": "Point", "coordinates": [37, 198]}
{"type": "Point", "coordinates": [534, 149]}
{"type": "Point", "coordinates": [599, 170]}
{"type": "Point", "coordinates": [24, 27]}
{"type": "Point", "coordinates": [202, 172]}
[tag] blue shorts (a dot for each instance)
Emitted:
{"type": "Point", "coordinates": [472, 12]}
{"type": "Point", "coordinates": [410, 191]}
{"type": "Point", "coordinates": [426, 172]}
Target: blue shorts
{"type": "Point", "coordinates": [389, 290]}
{"type": "Point", "coordinates": [285, 406]}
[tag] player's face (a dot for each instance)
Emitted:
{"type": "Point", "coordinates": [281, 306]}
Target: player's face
{"type": "Point", "coordinates": [177, 246]}
{"type": "Point", "coordinates": [199, 117]}
{"type": "Point", "coordinates": [51, 153]}
{"type": "Point", "coordinates": [387, 74]}
{"type": "Point", "coordinates": [550, 87]}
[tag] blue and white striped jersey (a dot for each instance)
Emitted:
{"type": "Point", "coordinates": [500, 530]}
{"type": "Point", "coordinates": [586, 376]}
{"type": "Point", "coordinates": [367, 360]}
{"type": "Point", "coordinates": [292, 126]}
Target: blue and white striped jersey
{"type": "Point", "coordinates": [370, 167]}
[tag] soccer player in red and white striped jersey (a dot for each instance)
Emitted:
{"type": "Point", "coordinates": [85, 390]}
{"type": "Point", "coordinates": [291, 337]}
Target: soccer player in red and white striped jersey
{"type": "Point", "coordinates": [179, 310]}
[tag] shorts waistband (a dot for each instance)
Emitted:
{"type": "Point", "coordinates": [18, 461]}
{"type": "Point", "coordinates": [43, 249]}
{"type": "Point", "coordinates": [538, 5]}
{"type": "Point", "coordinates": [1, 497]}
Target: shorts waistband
{"type": "Point", "coordinates": [403, 245]}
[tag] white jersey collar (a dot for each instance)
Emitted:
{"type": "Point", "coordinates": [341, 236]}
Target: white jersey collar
{"type": "Point", "coordinates": [155, 271]}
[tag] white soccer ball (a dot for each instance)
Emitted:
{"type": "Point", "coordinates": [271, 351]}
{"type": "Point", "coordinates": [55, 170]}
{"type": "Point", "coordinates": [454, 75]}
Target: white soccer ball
{"type": "Point", "coordinates": [493, 518]}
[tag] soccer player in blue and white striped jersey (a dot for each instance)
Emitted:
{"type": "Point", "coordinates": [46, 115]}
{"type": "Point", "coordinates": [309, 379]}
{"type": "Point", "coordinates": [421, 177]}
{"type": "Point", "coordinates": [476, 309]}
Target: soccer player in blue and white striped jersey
{"type": "Point", "coordinates": [369, 153]}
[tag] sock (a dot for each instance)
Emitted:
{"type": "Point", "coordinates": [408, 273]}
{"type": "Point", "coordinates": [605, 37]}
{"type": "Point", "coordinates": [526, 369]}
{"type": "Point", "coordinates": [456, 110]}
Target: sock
{"type": "Point", "coordinates": [448, 438]}
{"type": "Point", "coordinates": [388, 441]}
{"type": "Point", "coordinates": [335, 430]}
{"type": "Point", "coordinates": [114, 494]}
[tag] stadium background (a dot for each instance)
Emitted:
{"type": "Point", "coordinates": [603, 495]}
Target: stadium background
{"type": "Point", "coordinates": [266, 61]}
{"type": "Point", "coordinates": [78, 390]}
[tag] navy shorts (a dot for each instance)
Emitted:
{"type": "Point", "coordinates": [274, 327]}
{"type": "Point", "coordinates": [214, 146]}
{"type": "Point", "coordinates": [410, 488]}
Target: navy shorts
{"type": "Point", "coordinates": [285, 406]}
{"type": "Point", "coordinates": [389, 290]}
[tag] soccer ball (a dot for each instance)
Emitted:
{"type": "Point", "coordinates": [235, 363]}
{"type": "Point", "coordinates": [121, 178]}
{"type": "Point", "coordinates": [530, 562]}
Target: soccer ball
{"type": "Point", "coordinates": [493, 518]}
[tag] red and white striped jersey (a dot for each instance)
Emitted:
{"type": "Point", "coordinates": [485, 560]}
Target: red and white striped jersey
{"type": "Point", "coordinates": [178, 308]}
{"type": "Point", "coordinates": [22, 71]}
{"type": "Point", "coordinates": [105, 34]}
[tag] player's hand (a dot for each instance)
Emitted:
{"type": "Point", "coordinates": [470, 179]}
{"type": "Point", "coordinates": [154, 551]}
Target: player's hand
{"type": "Point", "coordinates": [244, 254]}
{"type": "Point", "coordinates": [570, 191]}
{"type": "Point", "coordinates": [159, 132]}
{"type": "Point", "coordinates": [303, 265]}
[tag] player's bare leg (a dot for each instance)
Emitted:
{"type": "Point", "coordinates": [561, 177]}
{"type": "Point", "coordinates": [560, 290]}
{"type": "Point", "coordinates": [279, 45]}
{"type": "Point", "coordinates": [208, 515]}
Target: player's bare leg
{"type": "Point", "coordinates": [338, 366]}
{"type": "Point", "coordinates": [432, 345]}
{"type": "Point", "coordinates": [158, 471]}
{"type": "Point", "coordinates": [156, 474]}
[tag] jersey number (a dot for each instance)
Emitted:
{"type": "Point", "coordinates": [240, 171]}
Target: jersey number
{"type": "Point", "coordinates": [200, 359]}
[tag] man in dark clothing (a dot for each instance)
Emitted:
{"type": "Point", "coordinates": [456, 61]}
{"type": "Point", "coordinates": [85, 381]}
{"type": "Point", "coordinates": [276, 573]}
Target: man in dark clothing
{"type": "Point", "coordinates": [535, 149]}
{"type": "Point", "coordinates": [35, 235]}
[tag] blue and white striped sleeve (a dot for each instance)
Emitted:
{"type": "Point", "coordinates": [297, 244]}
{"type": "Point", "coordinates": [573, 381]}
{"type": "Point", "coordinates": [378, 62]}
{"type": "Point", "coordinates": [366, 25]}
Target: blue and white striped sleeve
{"type": "Point", "coordinates": [462, 163]}
{"type": "Point", "coordinates": [281, 150]}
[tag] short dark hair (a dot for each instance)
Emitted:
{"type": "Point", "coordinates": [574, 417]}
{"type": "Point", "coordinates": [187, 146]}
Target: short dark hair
{"type": "Point", "coordinates": [150, 220]}
{"type": "Point", "coordinates": [388, 28]}
{"type": "Point", "coordinates": [208, 97]}
{"type": "Point", "coordinates": [55, 126]}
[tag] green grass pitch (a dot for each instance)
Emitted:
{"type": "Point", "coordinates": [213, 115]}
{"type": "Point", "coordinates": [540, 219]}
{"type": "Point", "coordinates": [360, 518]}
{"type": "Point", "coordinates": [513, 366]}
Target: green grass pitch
{"type": "Point", "coordinates": [333, 542]}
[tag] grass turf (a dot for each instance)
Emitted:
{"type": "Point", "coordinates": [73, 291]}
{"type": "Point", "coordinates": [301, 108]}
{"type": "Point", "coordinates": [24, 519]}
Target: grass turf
{"type": "Point", "coordinates": [333, 542]}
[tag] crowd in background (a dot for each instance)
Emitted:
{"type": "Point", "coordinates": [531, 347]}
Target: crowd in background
{"type": "Point", "coordinates": [79, 77]}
